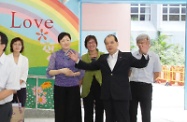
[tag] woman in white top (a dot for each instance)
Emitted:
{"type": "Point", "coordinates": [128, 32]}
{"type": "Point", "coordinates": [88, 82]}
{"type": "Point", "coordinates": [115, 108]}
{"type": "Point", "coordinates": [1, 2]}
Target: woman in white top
{"type": "Point", "coordinates": [17, 47]}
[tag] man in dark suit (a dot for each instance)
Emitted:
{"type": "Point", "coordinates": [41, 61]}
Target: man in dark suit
{"type": "Point", "coordinates": [115, 88]}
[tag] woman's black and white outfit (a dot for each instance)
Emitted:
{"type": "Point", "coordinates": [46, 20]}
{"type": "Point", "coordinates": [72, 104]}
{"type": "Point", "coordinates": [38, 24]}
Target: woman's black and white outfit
{"type": "Point", "coordinates": [23, 66]}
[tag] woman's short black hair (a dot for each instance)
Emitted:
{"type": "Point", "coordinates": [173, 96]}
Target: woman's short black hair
{"type": "Point", "coordinates": [88, 38]}
{"type": "Point", "coordinates": [4, 39]}
{"type": "Point", "coordinates": [15, 40]}
{"type": "Point", "coordinates": [62, 34]}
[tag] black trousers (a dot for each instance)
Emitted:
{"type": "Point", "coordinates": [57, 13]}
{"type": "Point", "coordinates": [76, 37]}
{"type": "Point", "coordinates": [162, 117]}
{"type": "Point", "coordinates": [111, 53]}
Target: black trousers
{"type": "Point", "coordinates": [22, 96]}
{"type": "Point", "coordinates": [93, 101]}
{"type": "Point", "coordinates": [6, 112]}
{"type": "Point", "coordinates": [141, 93]}
{"type": "Point", "coordinates": [116, 110]}
{"type": "Point", "coordinates": [67, 104]}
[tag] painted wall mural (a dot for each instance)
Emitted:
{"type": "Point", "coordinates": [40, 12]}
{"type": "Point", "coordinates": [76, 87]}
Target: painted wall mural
{"type": "Point", "coordinates": [38, 23]}
{"type": "Point", "coordinates": [40, 93]}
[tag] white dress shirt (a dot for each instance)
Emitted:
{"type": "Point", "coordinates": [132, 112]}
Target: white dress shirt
{"type": "Point", "coordinates": [112, 59]}
{"type": "Point", "coordinates": [8, 77]}
{"type": "Point", "coordinates": [146, 74]}
{"type": "Point", "coordinates": [23, 65]}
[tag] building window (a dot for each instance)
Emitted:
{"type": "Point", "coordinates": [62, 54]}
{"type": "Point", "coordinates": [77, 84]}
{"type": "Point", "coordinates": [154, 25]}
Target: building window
{"type": "Point", "coordinates": [140, 12]}
{"type": "Point", "coordinates": [173, 12]}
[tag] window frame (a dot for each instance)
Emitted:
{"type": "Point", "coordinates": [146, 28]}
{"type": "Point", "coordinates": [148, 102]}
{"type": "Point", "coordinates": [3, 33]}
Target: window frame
{"type": "Point", "coordinates": [139, 13]}
{"type": "Point", "coordinates": [168, 14]}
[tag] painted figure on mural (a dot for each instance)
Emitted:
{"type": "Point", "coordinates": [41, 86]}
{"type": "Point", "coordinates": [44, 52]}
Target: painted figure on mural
{"type": "Point", "coordinates": [67, 105]}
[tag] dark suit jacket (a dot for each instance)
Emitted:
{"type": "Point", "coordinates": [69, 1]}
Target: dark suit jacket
{"type": "Point", "coordinates": [115, 84]}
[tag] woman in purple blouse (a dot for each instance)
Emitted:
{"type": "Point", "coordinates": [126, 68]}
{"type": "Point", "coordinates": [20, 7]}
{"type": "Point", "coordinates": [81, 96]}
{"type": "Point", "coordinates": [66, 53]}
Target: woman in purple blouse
{"type": "Point", "coordinates": [67, 104]}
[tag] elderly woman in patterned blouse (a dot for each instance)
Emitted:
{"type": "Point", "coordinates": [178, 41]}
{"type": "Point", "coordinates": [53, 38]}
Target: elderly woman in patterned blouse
{"type": "Point", "coordinates": [67, 105]}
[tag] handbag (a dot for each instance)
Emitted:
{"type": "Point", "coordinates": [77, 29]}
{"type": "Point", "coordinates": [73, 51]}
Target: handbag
{"type": "Point", "coordinates": [18, 112]}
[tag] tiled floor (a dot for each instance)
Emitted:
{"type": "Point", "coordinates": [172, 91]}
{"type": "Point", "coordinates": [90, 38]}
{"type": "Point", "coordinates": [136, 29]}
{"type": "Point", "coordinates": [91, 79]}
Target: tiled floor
{"type": "Point", "coordinates": [168, 105]}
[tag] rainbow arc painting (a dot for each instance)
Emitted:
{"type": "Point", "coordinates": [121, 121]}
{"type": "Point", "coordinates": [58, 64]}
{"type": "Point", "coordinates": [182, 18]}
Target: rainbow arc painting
{"type": "Point", "coordinates": [38, 23]}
